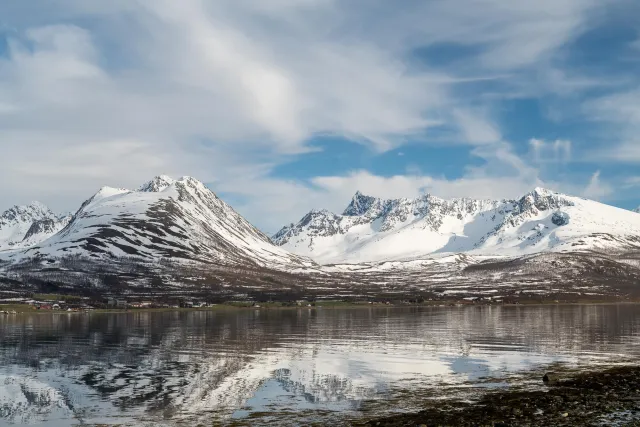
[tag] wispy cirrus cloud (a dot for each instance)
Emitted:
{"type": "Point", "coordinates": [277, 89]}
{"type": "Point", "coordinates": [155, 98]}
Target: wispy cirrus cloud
{"type": "Point", "coordinates": [620, 112]}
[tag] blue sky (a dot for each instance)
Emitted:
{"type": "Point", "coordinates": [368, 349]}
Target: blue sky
{"type": "Point", "coordinates": [288, 105]}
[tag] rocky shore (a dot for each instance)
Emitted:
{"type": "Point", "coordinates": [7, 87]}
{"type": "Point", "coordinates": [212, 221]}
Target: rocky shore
{"type": "Point", "coordinates": [606, 398]}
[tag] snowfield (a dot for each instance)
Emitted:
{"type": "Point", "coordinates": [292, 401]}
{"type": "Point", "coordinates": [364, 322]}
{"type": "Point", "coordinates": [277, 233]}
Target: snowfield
{"type": "Point", "coordinates": [376, 230]}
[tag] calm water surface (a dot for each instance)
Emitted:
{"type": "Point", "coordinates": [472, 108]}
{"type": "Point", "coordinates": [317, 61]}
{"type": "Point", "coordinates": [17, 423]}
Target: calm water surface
{"type": "Point", "coordinates": [181, 368]}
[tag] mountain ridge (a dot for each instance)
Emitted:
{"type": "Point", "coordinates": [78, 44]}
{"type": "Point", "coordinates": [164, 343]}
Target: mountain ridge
{"type": "Point", "coordinates": [165, 218]}
{"type": "Point", "coordinates": [374, 229]}
{"type": "Point", "coordinates": [176, 237]}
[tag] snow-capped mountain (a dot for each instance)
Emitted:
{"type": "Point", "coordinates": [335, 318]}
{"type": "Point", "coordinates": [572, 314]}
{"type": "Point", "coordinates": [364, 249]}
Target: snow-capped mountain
{"type": "Point", "coordinates": [24, 226]}
{"type": "Point", "coordinates": [164, 218]}
{"type": "Point", "coordinates": [372, 229]}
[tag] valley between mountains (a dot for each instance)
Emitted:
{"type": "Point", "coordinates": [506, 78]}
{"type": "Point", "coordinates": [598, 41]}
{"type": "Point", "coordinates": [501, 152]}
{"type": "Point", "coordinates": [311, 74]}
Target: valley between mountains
{"type": "Point", "coordinates": [172, 238]}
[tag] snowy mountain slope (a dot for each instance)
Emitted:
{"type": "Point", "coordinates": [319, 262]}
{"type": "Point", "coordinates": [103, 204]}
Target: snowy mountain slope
{"type": "Point", "coordinates": [24, 226]}
{"type": "Point", "coordinates": [372, 229]}
{"type": "Point", "coordinates": [164, 218]}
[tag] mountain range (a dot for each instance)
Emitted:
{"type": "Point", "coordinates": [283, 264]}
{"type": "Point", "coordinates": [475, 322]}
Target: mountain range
{"type": "Point", "coordinates": [373, 230]}
{"type": "Point", "coordinates": [183, 219]}
{"type": "Point", "coordinates": [177, 236]}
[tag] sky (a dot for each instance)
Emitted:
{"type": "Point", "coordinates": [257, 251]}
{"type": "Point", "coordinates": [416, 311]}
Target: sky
{"type": "Point", "coordinates": [283, 106]}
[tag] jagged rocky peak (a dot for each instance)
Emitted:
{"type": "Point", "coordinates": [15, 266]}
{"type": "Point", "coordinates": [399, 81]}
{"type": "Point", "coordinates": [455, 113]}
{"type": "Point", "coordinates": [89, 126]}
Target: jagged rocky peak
{"type": "Point", "coordinates": [360, 204]}
{"type": "Point", "coordinates": [162, 182]}
{"type": "Point", "coordinates": [191, 182]}
{"type": "Point", "coordinates": [543, 199]}
{"type": "Point", "coordinates": [157, 184]}
{"type": "Point", "coordinates": [541, 191]}
{"type": "Point", "coordinates": [23, 225]}
{"type": "Point", "coordinates": [34, 210]}
{"type": "Point", "coordinates": [283, 234]}
{"type": "Point", "coordinates": [317, 217]}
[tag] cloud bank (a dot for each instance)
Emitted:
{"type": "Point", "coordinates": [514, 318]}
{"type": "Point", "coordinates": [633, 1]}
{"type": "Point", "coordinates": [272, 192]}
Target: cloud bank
{"type": "Point", "coordinates": [111, 93]}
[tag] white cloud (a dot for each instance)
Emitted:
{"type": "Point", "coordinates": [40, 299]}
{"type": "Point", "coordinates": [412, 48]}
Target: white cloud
{"type": "Point", "coordinates": [212, 72]}
{"type": "Point", "coordinates": [632, 182]}
{"type": "Point", "coordinates": [285, 201]}
{"type": "Point", "coordinates": [618, 107]}
{"type": "Point", "coordinates": [502, 175]}
{"type": "Point", "coordinates": [475, 128]}
{"type": "Point", "coordinates": [112, 93]}
{"type": "Point", "coordinates": [551, 151]}
{"type": "Point", "coordinates": [597, 189]}
{"type": "Point", "coordinates": [413, 186]}
{"type": "Point", "coordinates": [621, 113]}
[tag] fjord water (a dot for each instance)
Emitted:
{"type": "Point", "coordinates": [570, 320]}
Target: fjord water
{"type": "Point", "coordinates": [285, 365]}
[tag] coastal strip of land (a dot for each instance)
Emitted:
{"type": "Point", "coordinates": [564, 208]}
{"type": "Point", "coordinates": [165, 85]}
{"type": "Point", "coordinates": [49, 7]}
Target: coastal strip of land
{"type": "Point", "coordinates": [609, 397]}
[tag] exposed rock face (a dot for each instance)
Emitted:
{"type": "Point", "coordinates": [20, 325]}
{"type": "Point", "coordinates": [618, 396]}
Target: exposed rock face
{"type": "Point", "coordinates": [40, 227]}
{"type": "Point", "coordinates": [560, 218]}
{"type": "Point", "coordinates": [361, 204]}
{"type": "Point", "coordinates": [157, 184]}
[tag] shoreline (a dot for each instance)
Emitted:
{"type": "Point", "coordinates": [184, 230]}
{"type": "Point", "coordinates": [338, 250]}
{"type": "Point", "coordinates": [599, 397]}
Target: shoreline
{"type": "Point", "coordinates": [602, 396]}
{"type": "Point", "coordinates": [20, 309]}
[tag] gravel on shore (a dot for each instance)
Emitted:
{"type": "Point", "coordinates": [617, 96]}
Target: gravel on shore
{"type": "Point", "coordinates": [602, 398]}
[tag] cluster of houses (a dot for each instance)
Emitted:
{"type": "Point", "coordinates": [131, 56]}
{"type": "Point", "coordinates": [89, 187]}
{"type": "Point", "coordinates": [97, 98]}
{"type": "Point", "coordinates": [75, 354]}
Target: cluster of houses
{"type": "Point", "coordinates": [121, 303]}
{"type": "Point", "coordinates": [58, 305]}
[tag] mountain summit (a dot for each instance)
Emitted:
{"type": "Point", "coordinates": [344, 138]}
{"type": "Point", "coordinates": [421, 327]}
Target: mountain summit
{"type": "Point", "coordinates": [21, 226]}
{"type": "Point", "coordinates": [165, 218]}
{"type": "Point", "coordinates": [360, 204]}
{"type": "Point", "coordinates": [157, 184]}
{"type": "Point", "coordinates": [374, 229]}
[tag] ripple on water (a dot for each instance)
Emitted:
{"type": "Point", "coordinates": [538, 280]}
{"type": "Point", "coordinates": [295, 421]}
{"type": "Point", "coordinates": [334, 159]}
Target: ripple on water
{"type": "Point", "coordinates": [200, 366]}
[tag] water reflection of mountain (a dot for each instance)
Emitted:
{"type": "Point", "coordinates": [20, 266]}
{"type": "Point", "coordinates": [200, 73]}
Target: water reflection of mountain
{"type": "Point", "coordinates": [201, 364]}
{"type": "Point", "coordinates": [24, 400]}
